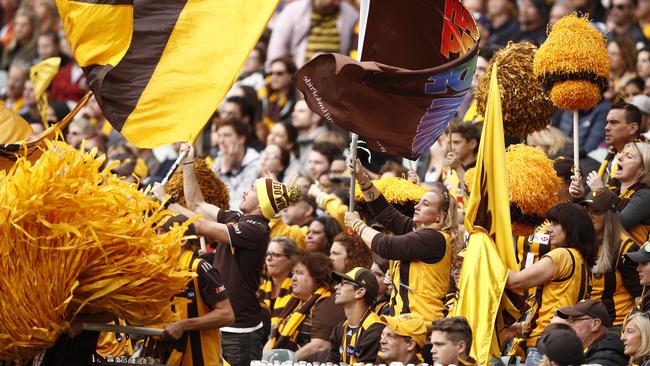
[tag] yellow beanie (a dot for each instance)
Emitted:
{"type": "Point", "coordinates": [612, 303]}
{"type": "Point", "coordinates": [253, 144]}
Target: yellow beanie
{"type": "Point", "coordinates": [275, 196]}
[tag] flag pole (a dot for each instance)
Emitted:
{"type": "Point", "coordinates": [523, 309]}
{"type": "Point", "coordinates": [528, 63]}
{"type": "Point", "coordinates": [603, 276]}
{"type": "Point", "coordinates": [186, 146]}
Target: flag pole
{"type": "Point", "coordinates": [353, 179]}
{"type": "Point", "coordinates": [363, 20]}
{"type": "Point", "coordinates": [576, 143]}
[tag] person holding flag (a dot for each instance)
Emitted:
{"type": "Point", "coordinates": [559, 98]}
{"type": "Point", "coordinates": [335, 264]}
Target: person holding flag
{"type": "Point", "coordinates": [420, 251]}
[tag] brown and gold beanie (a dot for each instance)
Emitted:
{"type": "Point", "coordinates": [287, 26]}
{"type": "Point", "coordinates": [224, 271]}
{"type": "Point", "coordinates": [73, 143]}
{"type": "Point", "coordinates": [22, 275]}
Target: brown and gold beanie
{"type": "Point", "coordinates": [275, 196]}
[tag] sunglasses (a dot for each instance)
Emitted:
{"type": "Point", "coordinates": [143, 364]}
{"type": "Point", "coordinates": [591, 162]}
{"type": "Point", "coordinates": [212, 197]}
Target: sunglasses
{"type": "Point", "coordinates": [620, 6]}
{"type": "Point", "coordinates": [279, 73]}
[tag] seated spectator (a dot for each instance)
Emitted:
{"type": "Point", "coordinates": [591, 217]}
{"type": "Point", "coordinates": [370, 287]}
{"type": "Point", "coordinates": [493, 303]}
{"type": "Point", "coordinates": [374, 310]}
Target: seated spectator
{"type": "Point", "coordinates": [252, 73]}
{"type": "Point", "coordinates": [236, 107]}
{"type": "Point", "coordinates": [633, 174]}
{"type": "Point", "coordinates": [550, 140]}
{"type": "Point", "coordinates": [356, 339]}
{"type": "Point", "coordinates": [47, 15]}
{"type": "Point", "coordinates": [275, 290]}
{"type": "Point", "coordinates": [643, 103]}
{"type": "Point", "coordinates": [348, 252]}
{"type": "Point", "coordinates": [278, 96]}
{"type": "Point", "coordinates": [591, 125]}
{"type": "Point", "coordinates": [285, 135]}
{"type": "Point", "coordinates": [503, 15]}
{"type": "Point", "coordinates": [294, 221]}
{"type": "Point", "coordinates": [78, 130]}
{"type": "Point", "coordinates": [308, 319]}
{"type": "Point", "coordinates": [622, 23]}
{"type": "Point", "coordinates": [636, 339]}
{"type": "Point", "coordinates": [392, 169]}
{"type": "Point", "coordinates": [22, 47]}
{"type": "Point", "coordinates": [590, 320]}
{"type": "Point", "coordinates": [559, 11]}
{"type": "Point", "coordinates": [308, 125]}
{"type": "Point", "coordinates": [236, 165]}
{"type": "Point", "coordinates": [320, 158]}
{"type": "Point", "coordinates": [622, 62]}
{"type": "Point", "coordinates": [451, 341]}
{"type": "Point", "coordinates": [643, 62]}
{"type": "Point", "coordinates": [321, 233]}
{"type": "Point", "coordinates": [560, 346]}
{"type": "Point", "coordinates": [642, 259]}
{"type": "Point", "coordinates": [632, 88]}
{"type": "Point", "coordinates": [13, 94]}
{"type": "Point", "coordinates": [127, 159]}
{"type": "Point", "coordinates": [379, 269]}
{"type": "Point", "coordinates": [306, 28]}
{"type": "Point", "coordinates": [533, 17]}
{"type": "Point", "coordinates": [402, 339]}
{"type": "Point", "coordinates": [273, 162]}
{"type": "Point", "coordinates": [614, 281]}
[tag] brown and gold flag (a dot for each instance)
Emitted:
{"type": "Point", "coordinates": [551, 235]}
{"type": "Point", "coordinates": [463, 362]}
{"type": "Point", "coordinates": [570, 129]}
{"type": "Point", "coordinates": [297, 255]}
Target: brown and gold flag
{"type": "Point", "coordinates": [159, 68]}
{"type": "Point", "coordinates": [417, 62]}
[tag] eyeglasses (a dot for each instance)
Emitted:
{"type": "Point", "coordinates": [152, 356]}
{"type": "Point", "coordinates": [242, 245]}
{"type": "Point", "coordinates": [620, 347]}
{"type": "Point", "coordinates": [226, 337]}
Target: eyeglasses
{"type": "Point", "coordinates": [278, 73]}
{"type": "Point", "coordinates": [619, 6]}
{"type": "Point", "coordinates": [274, 255]}
{"type": "Point", "coordinates": [346, 282]}
{"type": "Point", "coordinates": [575, 320]}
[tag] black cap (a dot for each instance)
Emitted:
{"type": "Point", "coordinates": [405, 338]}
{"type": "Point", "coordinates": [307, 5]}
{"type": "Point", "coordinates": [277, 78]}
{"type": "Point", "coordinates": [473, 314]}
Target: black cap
{"type": "Point", "coordinates": [601, 200]}
{"type": "Point", "coordinates": [561, 346]}
{"type": "Point", "coordinates": [640, 256]}
{"type": "Point", "coordinates": [591, 308]}
{"type": "Point", "coordinates": [362, 278]}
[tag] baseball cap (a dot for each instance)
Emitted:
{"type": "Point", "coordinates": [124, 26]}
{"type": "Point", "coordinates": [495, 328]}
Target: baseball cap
{"type": "Point", "coordinates": [407, 325]}
{"type": "Point", "coordinates": [601, 200]}
{"type": "Point", "coordinates": [592, 308]}
{"type": "Point", "coordinates": [561, 346]}
{"type": "Point", "coordinates": [642, 102]}
{"type": "Point", "coordinates": [640, 256]}
{"type": "Point", "coordinates": [362, 277]}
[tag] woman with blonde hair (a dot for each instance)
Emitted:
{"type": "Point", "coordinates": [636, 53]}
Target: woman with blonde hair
{"type": "Point", "coordinates": [633, 173]}
{"type": "Point", "coordinates": [636, 339]}
{"type": "Point", "coordinates": [550, 140]}
{"type": "Point", "coordinates": [420, 251]}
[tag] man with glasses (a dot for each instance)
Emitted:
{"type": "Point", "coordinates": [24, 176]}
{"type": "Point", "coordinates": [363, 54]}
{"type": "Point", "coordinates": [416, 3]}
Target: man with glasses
{"type": "Point", "coordinates": [357, 338]}
{"type": "Point", "coordinates": [622, 22]}
{"type": "Point", "coordinates": [590, 320]}
{"type": "Point", "coordinates": [402, 339]}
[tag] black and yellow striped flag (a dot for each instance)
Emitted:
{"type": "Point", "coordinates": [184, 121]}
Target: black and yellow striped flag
{"type": "Point", "coordinates": [160, 68]}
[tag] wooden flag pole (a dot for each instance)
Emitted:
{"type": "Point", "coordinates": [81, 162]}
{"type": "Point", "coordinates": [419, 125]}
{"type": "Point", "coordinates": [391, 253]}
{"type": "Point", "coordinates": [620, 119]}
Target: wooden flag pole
{"type": "Point", "coordinates": [576, 143]}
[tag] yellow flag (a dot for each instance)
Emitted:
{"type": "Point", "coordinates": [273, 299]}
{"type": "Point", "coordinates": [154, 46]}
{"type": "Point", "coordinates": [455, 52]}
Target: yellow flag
{"type": "Point", "coordinates": [490, 248]}
{"type": "Point", "coordinates": [159, 69]}
{"type": "Point", "coordinates": [32, 150]}
{"type": "Point", "coordinates": [41, 76]}
{"type": "Point", "coordinates": [13, 128]}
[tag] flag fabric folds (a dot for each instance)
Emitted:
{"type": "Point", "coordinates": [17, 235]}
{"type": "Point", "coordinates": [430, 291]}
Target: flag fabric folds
{"type": "Point", "coordinates": [32, 150]}
{"type": "Point", "coordinates": [490, 248]}
{"type": "Point", "coordinates": [160, 68]}
{"type": "Point", "coordinates": [418, 59]}
{"type": "Point", "coordinates": [41, 76]}
{"type": "Point", "coordinates": [13, 128]}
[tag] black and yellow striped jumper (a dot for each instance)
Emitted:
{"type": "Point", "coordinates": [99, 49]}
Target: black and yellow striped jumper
{"type": "Point", "coordinates": [200, 347]}
{"type": "Point", "coordinates": [619, 287]}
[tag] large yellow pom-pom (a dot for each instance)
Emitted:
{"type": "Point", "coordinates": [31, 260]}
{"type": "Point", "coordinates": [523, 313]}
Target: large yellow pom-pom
{"type": "Point", "coordinates": [573, 95]}
{"type": "Point", "coordinates": [573, 51]}
{"type": "Point", "coordinates": [214, 190]}
{"type": "Point", "coordinates": [525, 105]}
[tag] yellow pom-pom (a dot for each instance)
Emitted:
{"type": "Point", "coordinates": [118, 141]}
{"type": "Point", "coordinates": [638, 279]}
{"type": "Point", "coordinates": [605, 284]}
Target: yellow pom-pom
{"type": "Point", "coordinates": [574, 50]}
{"type": "Point", "coordinates": [573, 95]}
{"type": "Point", "coordinates": [395, 190]}
{"type": "Point", "coordinates": [295, 194]}
{"type": "Point", "coordinates": [525, 105]}
{"type": "Point", "coordinates": [215, 191]}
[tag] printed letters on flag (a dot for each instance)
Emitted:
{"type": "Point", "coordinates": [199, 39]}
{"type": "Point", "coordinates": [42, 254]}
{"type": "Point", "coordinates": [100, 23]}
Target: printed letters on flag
{"type": "Point", "coordinates": [160, 68]}
{"type": "Point", "coordinates": [417, 62]}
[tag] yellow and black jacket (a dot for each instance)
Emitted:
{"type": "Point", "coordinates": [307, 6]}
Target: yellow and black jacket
{"type": "Point", "coordinates": [198, 348]}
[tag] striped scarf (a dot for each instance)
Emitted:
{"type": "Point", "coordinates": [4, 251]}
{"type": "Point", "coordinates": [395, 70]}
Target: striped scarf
{"type": "Point", "coordinates": [276, 306]}
{"type": "Point", "coordinates": [323, 35]}
{"type": "Point", "coordinates": [274, 104]}
{"type": "Point", "coordinates": [286, 334]}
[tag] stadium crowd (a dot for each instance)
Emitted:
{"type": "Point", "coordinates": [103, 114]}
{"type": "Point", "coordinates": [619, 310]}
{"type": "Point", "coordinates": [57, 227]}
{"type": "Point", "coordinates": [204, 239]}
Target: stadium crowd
{"type": "Point", "coordinates": [287, 267]}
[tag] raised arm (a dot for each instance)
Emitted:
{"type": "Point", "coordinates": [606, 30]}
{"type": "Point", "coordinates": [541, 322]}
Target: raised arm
{"type": "Point", "coordinates": [533, 276]}
{"type": "Point", "coordinates": [191, 188]}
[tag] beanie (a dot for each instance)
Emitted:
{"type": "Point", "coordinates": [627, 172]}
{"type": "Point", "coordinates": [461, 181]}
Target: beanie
{"type": "Point", "coordinates": [275, 196]}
